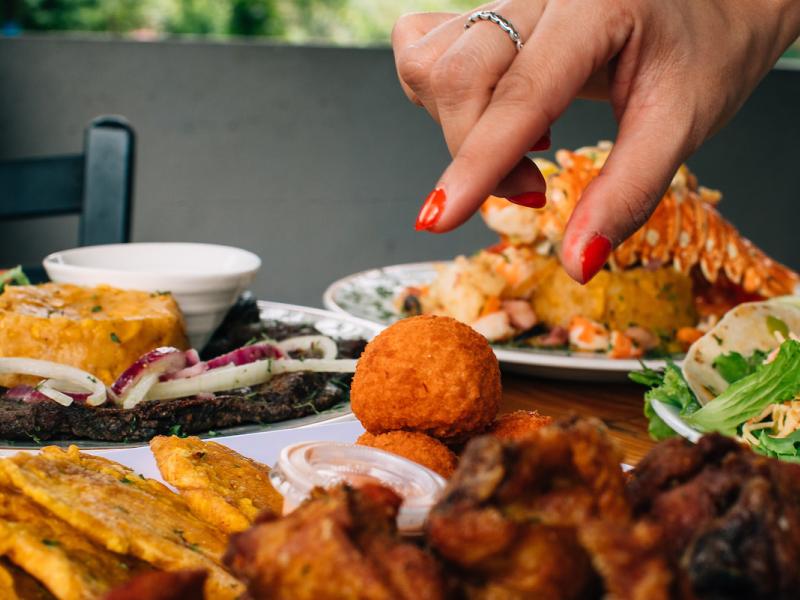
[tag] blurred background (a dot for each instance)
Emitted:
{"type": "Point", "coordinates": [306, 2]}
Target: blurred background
{"type": "Point", "coordinates": [279, 126]}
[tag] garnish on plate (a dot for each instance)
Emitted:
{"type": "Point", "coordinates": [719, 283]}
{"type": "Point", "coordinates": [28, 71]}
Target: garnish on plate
{"type": "Point", "coordinates": [751, 392]}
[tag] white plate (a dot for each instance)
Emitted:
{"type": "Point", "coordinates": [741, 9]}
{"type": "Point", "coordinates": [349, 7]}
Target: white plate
{"type": "Point", "coordinates": [263, 446]}
{"type": "Point", "coordinates": [328, 323]}
{"type": "Point", "coordinates": [670, 416]}
{"type": "Point", "coordinates": [369, 295]}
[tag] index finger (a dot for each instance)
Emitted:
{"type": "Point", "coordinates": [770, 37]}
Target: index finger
{"type": "Point", "coordinates": [570, 43]}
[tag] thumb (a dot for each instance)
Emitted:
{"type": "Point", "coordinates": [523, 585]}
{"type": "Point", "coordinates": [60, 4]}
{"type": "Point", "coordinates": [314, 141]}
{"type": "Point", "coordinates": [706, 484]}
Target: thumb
{"type": "Point", "coordinates": [648, 152]}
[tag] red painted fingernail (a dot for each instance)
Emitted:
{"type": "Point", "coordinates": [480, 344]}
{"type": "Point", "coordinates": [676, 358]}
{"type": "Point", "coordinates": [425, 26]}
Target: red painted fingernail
{"type": "Point", "coordinates": [529, 199]}
{"type": "Point", "coordinates": [431, 210]}
{"type": "Point", "coordinates": [543, 143]}
{"type": "Point", "coordinates": [595, 255]}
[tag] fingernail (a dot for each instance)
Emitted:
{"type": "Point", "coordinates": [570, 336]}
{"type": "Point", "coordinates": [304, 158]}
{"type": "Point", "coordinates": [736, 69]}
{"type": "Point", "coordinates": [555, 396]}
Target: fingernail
{"type": "Point", "coordinates": [595, 254]}
{"type": "Point", "coordinates": [529, 199]}
{"type": "Point", "coordinates": [432, 209]}
{"type": "Point", "coordinates": [543, 143]}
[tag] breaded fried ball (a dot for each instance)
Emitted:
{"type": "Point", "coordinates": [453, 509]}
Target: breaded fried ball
{"type": "Point", "coordinates": [518, 425]}
{"type": "Point", "coordinates": [429, 374]}
{"type": "Point", "coordinates": [415, 446]}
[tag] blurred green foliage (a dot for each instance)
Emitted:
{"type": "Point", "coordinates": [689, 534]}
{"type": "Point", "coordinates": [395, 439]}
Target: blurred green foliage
{"type": "Point", "coordinates": [316, 21]}
{"type": "Point", "coordinates": [346, 22]}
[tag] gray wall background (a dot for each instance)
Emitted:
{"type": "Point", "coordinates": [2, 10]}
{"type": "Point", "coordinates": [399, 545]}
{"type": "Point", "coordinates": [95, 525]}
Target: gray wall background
{"type": "Point", "coordinates": [312, 157]}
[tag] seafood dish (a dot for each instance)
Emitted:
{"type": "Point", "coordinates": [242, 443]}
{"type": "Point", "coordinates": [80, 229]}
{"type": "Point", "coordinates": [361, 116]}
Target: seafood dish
{"type": "Point", "coordinates": [741, 379]}
{"type": "Point", "coordinates": [660, 290]}
{"type": "Point", "coordinates": [124, 372]}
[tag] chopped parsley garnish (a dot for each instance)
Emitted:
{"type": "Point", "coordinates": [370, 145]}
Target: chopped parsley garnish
{"type": "Point", "coordinates": [115, 338]}
{"type": "Point", "coordinates": [96, 308]}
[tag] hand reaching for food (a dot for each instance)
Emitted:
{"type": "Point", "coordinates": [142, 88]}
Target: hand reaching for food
{"type": "Point", "coordinates": [674, 73]}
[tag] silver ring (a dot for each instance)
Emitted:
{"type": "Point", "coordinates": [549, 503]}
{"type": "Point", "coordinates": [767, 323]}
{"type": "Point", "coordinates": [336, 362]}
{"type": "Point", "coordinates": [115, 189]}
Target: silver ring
{"type": "Point", "coordinates": [499, 20]}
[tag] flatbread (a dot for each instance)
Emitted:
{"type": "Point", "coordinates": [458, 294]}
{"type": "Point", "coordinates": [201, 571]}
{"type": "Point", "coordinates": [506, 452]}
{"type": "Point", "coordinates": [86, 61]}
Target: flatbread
{"type": "Point", "coordinates": [743, 329]}
{"type": "Point", "coordinates": [124, 512]}
{"type": "Point", "coordinates": [221, 486]}
{"type": "Point", "coordinates": [60, 557]}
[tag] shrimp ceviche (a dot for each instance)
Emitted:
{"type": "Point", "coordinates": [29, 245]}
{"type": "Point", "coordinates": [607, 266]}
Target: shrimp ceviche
{"type": "Point", "coordinates": [660, 291]}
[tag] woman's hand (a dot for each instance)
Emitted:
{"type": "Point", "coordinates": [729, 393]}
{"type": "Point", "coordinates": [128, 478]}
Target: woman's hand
{"type": "Point", "coordinates": [675, 72]}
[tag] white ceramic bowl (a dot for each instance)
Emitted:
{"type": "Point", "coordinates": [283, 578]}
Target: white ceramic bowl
{"type": "Point", "coordinates": [205, 279]}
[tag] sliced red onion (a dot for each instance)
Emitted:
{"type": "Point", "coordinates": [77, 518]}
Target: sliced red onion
{"type": "Point", "coordinates": [246, 355]}
{"type": "Point", "coordinates": [234, 377]}
{"type": "Point", "coordinates": [309, 343]}
{"type": "Point", "coordinates": [61, 373]}
{"type": "Point", "coordinates": [25, 393]}
{"type": "Point", "coordinates": [132, 386]}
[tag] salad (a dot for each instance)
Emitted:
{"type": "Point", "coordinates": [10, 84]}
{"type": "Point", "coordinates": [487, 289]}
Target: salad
{"type": "Point", "coordinates": [741, 379]}
{"type": "Point", "coordinates": [13, 276]}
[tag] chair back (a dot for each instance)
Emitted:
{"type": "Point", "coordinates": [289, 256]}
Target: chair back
{"type": "Point", "coordinates": [97, 184]}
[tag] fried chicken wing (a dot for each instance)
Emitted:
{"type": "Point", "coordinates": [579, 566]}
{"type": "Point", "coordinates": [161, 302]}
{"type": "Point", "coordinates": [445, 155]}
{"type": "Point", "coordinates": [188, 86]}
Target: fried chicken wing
{"type": "Point", "coordinates": [127, 514]}
{"type": "Point", "coordinates": [162, 585]}
{"type": "Point", "coordinates": [65, 561]}
{"type": "Point", "coordinates": [340, 544]}
{"type": "Point", "coordinates": [221, 486]}
{"type": "Point", "coordinates": [733, 517]}
{"type": "Point", "coordinates": [532, 519]}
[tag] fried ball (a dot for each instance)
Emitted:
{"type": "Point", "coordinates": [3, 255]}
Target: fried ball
{"type": "Point", "coordinates": [421, 448]}
{"type": "Point", "coordinates": [518, 425]}
{"type": "Point", "coordinates": [429, 374]}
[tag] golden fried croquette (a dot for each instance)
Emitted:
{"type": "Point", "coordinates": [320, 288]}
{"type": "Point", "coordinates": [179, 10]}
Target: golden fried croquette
{"type": "Point", "coordinates": [429, 374]}
{"type": "Point", "coordinates": [518, 425]}
{"type": "Point", "coordinates": [421, 448]}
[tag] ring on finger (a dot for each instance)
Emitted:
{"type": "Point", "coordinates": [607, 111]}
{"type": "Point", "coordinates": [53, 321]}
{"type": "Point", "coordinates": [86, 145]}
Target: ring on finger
{"type": "Point", "coordinates": [500, 21]}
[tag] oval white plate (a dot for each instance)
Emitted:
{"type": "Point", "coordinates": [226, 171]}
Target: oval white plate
{"type": "Point", "coordinates": [369, 295]}
{"type": "Point", "coordinates": [328, 323]}
{"type": "Point", "coordinates": [669, 414]}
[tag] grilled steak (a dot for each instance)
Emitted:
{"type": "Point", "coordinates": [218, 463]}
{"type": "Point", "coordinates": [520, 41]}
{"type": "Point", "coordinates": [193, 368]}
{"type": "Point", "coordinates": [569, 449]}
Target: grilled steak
{"type": "Point", "coordinates": [286, 396]}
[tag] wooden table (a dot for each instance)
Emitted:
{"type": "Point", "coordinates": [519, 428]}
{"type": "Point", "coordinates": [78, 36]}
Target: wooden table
{"type": "Point", "coordinates": [618, 405]}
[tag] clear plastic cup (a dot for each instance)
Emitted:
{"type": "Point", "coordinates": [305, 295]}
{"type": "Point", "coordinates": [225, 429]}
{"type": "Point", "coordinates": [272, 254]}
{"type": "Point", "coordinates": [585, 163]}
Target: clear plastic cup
{"type": "Point", "coordinates": [302, 467]}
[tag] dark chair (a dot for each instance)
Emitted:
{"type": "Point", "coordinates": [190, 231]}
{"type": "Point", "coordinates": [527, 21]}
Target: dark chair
{"type": "Point", "coordinates": [96, 184]}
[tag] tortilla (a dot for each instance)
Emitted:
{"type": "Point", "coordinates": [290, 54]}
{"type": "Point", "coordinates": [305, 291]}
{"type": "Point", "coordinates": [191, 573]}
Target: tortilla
{"type": "Point", "coordinates": [744, 329]}
{"type": "Point", "coordinates": [122, 511]}
{"type": "Point", "coordinates": [221, 486]}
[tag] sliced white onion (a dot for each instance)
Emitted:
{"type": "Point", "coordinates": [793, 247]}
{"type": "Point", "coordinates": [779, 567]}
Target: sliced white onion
{"type": "Point", "coordinates": [51, 370]}
{"type": "Point", "coordinates": [138, 391]}
{"type": "Point", "coordinates": [309, 343]}
{"type": "Point", "coordinates": [54, 395]}
{"type": "Point", "coordinates": [234, 377]}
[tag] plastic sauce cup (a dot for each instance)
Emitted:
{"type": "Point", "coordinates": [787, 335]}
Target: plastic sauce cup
{"type": "Point", "coordinates": [302, 467]}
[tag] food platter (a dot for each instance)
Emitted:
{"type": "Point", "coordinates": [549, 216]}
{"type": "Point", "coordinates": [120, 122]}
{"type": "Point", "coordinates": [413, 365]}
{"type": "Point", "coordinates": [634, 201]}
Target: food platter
{"type": "Point", "coordinates": [335, 325]}
{"type": "Point", "coordinates": [262, 446]}
{"type": "Point", "coordinates": [369, 296]}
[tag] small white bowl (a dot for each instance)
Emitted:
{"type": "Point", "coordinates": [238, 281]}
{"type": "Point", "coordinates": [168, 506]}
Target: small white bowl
{"type": "Point", "coordinates": [205, 279]}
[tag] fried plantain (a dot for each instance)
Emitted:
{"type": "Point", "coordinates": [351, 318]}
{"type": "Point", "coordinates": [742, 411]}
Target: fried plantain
{"type": "Point", "coordinates": [59, 556]}
{"type": "Point", "coordinates": [221, 486]}
{"type": "Point", "coordinates": [124, 512]}
{"type": "Point", "coordinates": [16, 584]}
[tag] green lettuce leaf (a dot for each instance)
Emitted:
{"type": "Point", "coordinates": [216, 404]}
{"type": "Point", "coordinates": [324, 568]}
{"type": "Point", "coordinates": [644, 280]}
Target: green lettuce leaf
{"type": "Point", "coordinates": [669, 387]}
{"type": "Point", "coordinates": [13, 276]}
{"type": "Point", "coordinates": [776, 382]}
{"type": "Point", "coordinates": [787, 448]}
{"type": "Point", "coordinates": [733, 366]}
